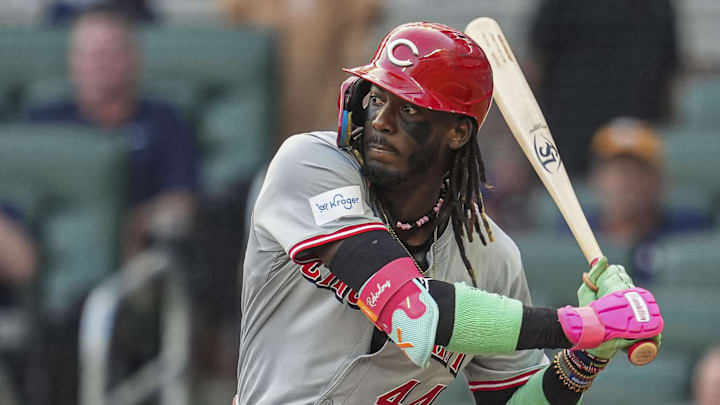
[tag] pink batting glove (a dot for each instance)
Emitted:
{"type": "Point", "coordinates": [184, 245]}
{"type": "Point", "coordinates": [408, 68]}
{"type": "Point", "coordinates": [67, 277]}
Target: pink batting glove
{"type": "Point", "coordinates": [627, 314]}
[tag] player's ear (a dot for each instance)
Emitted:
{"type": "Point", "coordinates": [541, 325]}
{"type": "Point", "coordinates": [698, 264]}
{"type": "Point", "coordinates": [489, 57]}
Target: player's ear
{"type": "Point", "coordinates": [463, 129]}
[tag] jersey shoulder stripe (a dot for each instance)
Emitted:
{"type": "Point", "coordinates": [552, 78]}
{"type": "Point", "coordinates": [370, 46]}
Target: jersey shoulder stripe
{"type": "Point", "coordinates": [296, 252]}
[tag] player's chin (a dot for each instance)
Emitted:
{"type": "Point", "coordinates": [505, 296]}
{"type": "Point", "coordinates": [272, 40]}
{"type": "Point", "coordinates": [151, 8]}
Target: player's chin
{"type": "Point", "coordinates": [381, 174]}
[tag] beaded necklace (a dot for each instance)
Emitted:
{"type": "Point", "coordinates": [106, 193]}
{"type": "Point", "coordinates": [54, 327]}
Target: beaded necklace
{"type": "Point", "coordinates": [432, 270]}
{"type": "Point", "coordinates": [434, 211]}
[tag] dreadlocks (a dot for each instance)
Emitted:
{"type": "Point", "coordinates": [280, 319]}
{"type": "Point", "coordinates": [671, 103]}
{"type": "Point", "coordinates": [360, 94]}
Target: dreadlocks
{"type": "Point", "coordinates": [464, 200]}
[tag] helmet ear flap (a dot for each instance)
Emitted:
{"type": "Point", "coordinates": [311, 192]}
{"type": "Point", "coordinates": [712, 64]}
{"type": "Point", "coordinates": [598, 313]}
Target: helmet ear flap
{"type": "Point", "coordinates": [355, 105]}
{"type": "Point", "coordinates": [351, 113]}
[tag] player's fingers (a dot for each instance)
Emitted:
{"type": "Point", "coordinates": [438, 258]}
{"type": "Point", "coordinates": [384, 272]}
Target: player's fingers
{"type": "Point", "coordinates": [598, 267]}
{"type": "Point", "coordinates": [614, 278]}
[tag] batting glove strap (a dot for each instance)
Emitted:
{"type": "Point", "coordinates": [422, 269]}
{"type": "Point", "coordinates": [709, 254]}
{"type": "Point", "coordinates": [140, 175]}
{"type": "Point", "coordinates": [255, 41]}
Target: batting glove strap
{"type": "Point", "coordinates": [581, 326]}
{"type": "Point", "coordinates": [627, 314]}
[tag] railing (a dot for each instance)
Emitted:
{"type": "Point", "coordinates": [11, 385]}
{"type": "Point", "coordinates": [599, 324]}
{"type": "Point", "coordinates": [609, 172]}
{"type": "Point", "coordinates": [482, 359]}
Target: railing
{"type": "Point", "coordinates": [167, 373]}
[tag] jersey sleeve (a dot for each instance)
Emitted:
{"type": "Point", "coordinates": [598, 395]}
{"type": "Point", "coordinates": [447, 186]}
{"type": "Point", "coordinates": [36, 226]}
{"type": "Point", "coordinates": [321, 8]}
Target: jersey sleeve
{"type": "Point", "coordinates": [490, 373]}
{"type": "Point", "coordinates": [313, 194]}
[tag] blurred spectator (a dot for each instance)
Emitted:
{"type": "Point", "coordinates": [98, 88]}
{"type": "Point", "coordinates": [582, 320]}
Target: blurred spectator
{"type": "Point", "coordinates": [18, 258]}
{"type": "Point", "coordinates": [315, 39]}
{"type": "Point", "coordinates": [104, 65]}
{"type": "Point", "coordinates": [65, 11]}
{"type": "Point", "coordinates": [18, 266]}
{"type": "Point", "coordinates": [512, 181]}
{"type": "Point", "coordinates": [599, 60]}
{"type": "Point", "coordinates": [627, 178]}
{"type": "Point", "coordinates": [706, 378]}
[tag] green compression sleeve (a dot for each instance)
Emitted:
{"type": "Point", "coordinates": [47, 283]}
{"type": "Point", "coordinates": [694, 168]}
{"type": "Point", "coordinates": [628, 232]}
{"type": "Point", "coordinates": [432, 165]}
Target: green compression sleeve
{"type": "Point", "coordinates": [485, 323]}
{"type": "Point", "coordinates": [532, 393]}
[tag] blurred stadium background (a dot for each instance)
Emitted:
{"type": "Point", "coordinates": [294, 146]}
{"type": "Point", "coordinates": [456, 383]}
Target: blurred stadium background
{"type": "Point", "coordinates": [223, 78]}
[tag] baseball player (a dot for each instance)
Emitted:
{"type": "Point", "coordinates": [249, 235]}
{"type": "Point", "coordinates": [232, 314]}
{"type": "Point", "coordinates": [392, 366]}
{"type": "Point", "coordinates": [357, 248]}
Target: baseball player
{"type": "Point", "coordinates": [372, 274]}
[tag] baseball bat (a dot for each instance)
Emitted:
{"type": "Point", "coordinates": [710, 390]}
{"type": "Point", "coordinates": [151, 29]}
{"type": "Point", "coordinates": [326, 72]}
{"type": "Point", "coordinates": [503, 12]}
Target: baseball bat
{"type": "Point", "coordinates": [527, 123]}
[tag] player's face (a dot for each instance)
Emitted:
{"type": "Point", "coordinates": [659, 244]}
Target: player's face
{"type": "Point", "coordinates": [402, 140]}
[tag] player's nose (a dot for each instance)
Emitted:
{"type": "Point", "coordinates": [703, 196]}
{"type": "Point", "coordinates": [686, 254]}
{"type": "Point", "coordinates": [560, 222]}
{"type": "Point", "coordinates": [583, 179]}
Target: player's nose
{"type": "Point", "coordinates": [384, 121]}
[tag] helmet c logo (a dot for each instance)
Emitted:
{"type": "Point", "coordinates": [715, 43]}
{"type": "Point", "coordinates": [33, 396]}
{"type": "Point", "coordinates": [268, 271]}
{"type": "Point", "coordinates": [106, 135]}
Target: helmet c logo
{"type": "Point", "coordinates": [391, 50]}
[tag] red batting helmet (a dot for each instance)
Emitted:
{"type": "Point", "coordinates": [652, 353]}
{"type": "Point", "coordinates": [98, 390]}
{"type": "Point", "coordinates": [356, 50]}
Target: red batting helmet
{"type": "Point", "coordinates": [430, 65]}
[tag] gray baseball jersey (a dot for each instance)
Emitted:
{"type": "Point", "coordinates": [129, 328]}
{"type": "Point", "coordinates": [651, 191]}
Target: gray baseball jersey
{"type": "Point", "coordinates": [303, 339]}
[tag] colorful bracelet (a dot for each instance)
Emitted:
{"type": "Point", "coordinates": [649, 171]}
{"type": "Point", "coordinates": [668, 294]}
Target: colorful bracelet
{"type": "Point", "coordinates": [572, 355]}
{"type": "Point", "coordinates": [574, 369]}
{"type": "Point", "coordinates": [590, 359]}
{"type": "Point", "coordinates": [574, 382]}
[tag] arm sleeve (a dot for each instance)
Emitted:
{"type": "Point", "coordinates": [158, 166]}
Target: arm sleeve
{"type": "Point", "coordinates": [500, 372]}
{"type": "Point", "coordinates": [313, 194]}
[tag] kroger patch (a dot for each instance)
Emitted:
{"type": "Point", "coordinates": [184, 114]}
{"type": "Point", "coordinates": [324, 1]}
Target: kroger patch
{"type": "Point", "coordinates": [336, 203]}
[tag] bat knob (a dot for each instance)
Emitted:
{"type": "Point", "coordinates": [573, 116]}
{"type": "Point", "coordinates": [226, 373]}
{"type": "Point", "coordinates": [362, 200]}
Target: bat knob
{"type": "Point", "coordinates": [642, 353]}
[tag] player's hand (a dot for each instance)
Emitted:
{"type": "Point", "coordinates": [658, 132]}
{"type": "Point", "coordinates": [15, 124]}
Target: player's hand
{"type": "Point", "coordinates": [608, 349]}
{"type": "Point", "coordinates": [607, 278]}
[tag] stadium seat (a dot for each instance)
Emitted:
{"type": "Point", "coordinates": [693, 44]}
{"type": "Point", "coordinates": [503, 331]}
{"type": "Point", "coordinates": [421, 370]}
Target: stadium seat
{"type": "Point", "coordinates": [691, 158]}
{"type": "Point", "coordinates": [29, 54]}
{"type": "Point", "coordinates": [697, 104]}
{"type": "Point", "coordinates": [211, 70]}
{"type": "Point", "coordinates": [664, 381]}
{"type": "Point", "coordinates": [547, 214]}
{"type": "Point", "coordinates": [689, 260]}
{"type": "Point", "coordinates": [554, 264]}
{"type": "Point", "coordinates": [219, 58]}
{"type": "Point", "coordinates": [691, 316]}
{"type": "Point", "coordinates": [70, 182]}
{"type": "Point", "coordinates": [235, 138]}
{"type": "Point", "coordinates": [57, 89]}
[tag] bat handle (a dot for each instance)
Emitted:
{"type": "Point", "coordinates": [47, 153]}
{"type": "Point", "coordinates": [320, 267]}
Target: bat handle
{"type": "Point", "coordinates": [641, 352]}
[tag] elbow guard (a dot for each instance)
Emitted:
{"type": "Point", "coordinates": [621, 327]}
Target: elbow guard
{"type": "Point", "coordinates": [396, 299]}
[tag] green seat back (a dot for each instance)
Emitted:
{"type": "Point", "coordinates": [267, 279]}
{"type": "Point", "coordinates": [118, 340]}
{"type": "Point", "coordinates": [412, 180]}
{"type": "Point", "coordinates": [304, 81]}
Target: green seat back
{"type": "Point", "coordinates": [692, 159]}
{"type": "Point", "coordinates": [58, 89]}
{"type": "Point", "coordinates": [698, 101]}
{"type": "Point", "coordinates": [222, 79]}
{"type": "Point", "coordinates": [236, 139]}
{"type": "Point", "coordinates": [554, 264]}
{"type": "Point", "coordinates": [664, 381]}
{"type": "Point", "coordinates": [691, 316]}
{"type": "Point", "coordinates": [70, 181]}
{"type": "Point", "coordinates": [220, 58]}
{"type": "Point", "coordinates": [689, 260]}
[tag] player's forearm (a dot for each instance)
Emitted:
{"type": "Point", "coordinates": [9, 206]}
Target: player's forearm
{"type": "Point", "coordinates": [418, 313]}
{"type": "Point", "coordinates": [469, 321]}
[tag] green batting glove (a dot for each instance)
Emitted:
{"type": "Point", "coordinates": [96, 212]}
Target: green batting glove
{"type": "Point", "coordinates": [608, 279]}
{"type": "Point", "coordinates": [608, 349]}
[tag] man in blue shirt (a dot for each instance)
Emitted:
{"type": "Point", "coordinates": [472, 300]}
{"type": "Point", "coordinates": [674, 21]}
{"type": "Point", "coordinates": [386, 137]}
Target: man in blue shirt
{"type": "Point", "coordinates": [104, 67]}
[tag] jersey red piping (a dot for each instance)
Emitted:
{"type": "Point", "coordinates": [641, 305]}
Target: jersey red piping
{"type": "Point", "coordinates": [502, 384]}
{"type": "Point", "coordinates": [337, 235]}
